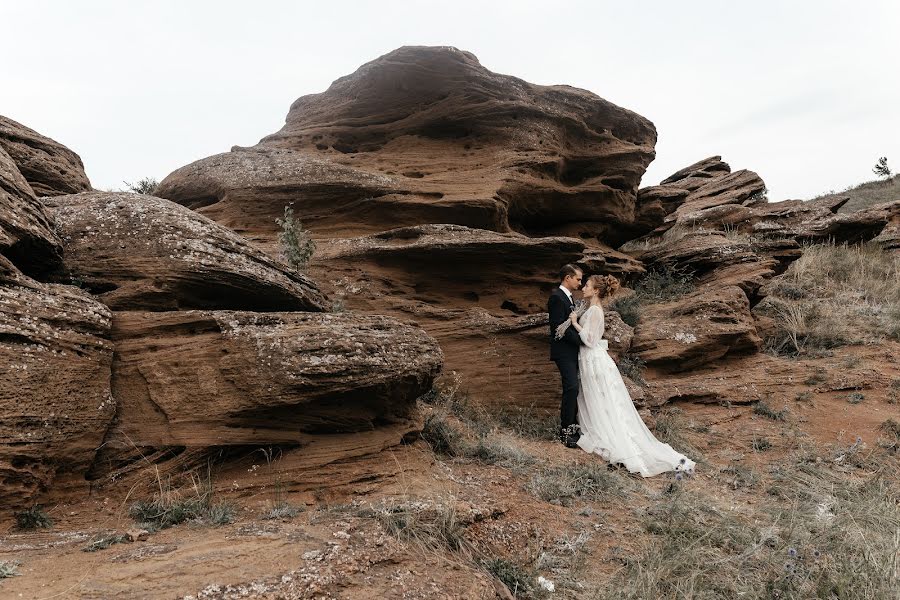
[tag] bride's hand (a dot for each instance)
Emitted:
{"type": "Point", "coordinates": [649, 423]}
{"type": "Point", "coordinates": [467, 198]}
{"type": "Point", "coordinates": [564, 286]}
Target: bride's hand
{"type": "Point", "coordinates": [574, 318]}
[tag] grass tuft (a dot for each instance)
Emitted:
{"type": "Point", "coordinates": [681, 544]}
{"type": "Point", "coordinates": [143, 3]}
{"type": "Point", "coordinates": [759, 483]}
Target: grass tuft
{"type": "Point", "coordinates": [763, 409]}
{"type": "Point", "coordinates": [8, 569]}
{"type": "Point", "coordinates": [33, 518]}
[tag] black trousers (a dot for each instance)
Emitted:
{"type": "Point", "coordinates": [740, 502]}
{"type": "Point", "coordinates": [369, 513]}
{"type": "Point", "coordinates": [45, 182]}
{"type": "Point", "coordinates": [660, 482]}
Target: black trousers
{"type": "Point", "coordinates": [568, 408]}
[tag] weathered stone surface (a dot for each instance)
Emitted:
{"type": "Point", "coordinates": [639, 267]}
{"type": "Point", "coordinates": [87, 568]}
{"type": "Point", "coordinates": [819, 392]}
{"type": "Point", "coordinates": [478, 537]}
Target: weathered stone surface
{"type": "Point", "coordinates": [698, 174]}
{"type": "Point", "coordinates": [218, 378]}
{"type": "Point", "coordinates": [450, 266]}
{"type": "Point", "coordinates": [26, 233]}
{"type": "Point", "coordinates": [55, 400]}
{"type": "Point", "coordinates": [735, 188]}
{"type": "Point", "coordinates": [618, 333]}
{"type": "Point", "coordinates": [696, 329]}
{"type": "Point", "coordinates": [49, 167]}
{"type": "Point", "coordinates": [440, 243]}
{"type": "Point", "coordinates": [139, 252]}
{"type": "Point", "coordinates": [427, 135]}
{"type": "Point", "coordinates": [606, 261]}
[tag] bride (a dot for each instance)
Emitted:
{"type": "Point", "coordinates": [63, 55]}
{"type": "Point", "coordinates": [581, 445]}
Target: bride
{"type": "Point", "coordinates": [610, 425]}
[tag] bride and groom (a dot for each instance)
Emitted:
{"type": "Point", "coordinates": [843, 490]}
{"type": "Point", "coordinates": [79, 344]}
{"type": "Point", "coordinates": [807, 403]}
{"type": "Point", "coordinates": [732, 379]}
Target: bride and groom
{"type": "Point", "coordinates": [597, 414]}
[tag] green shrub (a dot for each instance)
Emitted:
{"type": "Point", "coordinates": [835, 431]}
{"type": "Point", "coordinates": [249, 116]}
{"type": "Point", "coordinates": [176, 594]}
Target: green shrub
{"type": "Point", "coordinates": [8, 569]}
{"type": "Point", "coordinates": [762, 409]}
{"type": "Point", "coordinates": [629, 309]}
{"type": "Point", "coordinates": [33, 518]}
{"type": "Point", "coordinates": [296, 245]}
{"type": "Point", "coordinates": [147, 185]}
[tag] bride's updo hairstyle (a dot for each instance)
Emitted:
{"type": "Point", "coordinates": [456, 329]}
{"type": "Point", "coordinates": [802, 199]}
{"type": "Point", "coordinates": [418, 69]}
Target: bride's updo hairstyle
{"type": "Point", "coordinates": [606, 285]}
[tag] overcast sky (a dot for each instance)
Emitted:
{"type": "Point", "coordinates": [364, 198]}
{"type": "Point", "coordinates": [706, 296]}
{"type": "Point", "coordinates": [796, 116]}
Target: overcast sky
{"type": "Point", "coordinates": [806, 93]}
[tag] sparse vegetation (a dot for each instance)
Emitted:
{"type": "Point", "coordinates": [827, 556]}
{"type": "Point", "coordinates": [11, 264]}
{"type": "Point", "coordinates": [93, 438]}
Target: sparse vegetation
{"type": "Point", "coordinates": [837, 295]}
{"type": "Point", "coordinates": [8, 569]}
{"type": "Point", "coordinates": [670, 429]}
{"type": "Point", "coordinates": [881, 168]}
{"type": "Point", "coordinates": [515, 577]}
{"type": "Point", "coordinates": [819, 536]}
{"type": "Point", "coordinates": [169, 507]}
{"type": "Point", "coordinates": [147, 185]}
{"type": "Point", "coordinates": [631, 366]}
{"type": "Point", "coordinates": [864, 195]}
{"type": "Point", "coordinates": [430, 524]}
{"type": "Point", "coordinates": [106, 541]}
{"type": "Point", "coordinates": [763, 409]}
{"type": "Point", "coordinates": [296, 245]}
{"type": "Point", "coordinates": [629, 309]}
{"type": "Point", "coordinates": [761, 444]}
{"type": "Point", "coordinates": [33, 518]}
{"type": "Point", "coordinates": [855, 397]}
{"type": "Point", "coordinates": [662, 284]}
{"type": "Point", "coordinates": [589, 481]}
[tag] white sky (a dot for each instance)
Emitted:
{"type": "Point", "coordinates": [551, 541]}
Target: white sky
{"type": "Point", "coordinates": [806, 93]}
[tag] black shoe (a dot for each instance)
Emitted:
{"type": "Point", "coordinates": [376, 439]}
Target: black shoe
{"type": "Point", "coordinates": [569, 436]}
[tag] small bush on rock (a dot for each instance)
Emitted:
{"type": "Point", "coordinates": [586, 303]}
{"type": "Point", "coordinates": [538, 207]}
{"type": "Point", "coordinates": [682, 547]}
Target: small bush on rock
{"type": "Point", "coordinates": [147, 185]}
{"type": "Point", "coordinates": [296, 245]}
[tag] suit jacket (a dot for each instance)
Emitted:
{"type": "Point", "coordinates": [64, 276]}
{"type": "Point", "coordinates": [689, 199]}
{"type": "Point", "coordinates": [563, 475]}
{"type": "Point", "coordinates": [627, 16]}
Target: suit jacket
{"type": "Point", "coordinates": [560, 307]}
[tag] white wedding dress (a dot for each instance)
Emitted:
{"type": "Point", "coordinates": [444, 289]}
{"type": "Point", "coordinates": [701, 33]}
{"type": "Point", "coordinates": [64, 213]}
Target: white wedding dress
{"type": "Point", "coordinates": [610, 425]}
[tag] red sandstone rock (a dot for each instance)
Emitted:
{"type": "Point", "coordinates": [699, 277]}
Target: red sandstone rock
{"type": "Point", "coordinates": [55, 400]}
{"type": "Point", "coordinates": [49, 167]}
{"type": "Point", "coordinates": [138, 252]}
{"type": "Point", "coordinates": [26, 232]}
{"type": "Point", "coordinates": [427, 135]}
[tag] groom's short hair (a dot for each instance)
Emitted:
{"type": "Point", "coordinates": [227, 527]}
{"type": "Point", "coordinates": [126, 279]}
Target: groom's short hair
{"type": "Point", "coordinates": [569, 269]}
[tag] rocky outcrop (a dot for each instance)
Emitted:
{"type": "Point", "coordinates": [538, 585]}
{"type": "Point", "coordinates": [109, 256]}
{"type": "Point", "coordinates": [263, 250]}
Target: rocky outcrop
{"type": "Point", "coordinates": [814, 221]}
{"type": "Point", "coordinates": [137, 252]}
{"type": "Point", "coordinates": [55, 400]}
{"type": "Point", "coordinates": [49, 167]}
{"type": "Point", "coordinates": [448, 266]}
{"type": "Point", "coordinates": [26, 234]}
{"type": "Point", "coordinates": [428, 135]}
{"type": "Point", "coordinates": [220, 378]}
{"type": "Point", "coordinates": [697, 329]}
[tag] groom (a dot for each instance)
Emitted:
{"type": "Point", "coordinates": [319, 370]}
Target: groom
{"type": "Point", "coordinates": [564, 351]}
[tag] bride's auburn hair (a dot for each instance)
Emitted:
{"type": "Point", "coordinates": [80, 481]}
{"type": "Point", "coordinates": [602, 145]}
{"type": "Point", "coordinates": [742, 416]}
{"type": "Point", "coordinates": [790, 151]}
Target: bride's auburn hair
{"type": "Point", "coordinates": [606, 285]}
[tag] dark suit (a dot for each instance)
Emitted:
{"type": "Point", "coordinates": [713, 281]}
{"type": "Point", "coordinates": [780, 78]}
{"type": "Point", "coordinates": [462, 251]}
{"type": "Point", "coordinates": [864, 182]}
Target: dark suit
{"type": "Point", "coordinates": [564, 352]}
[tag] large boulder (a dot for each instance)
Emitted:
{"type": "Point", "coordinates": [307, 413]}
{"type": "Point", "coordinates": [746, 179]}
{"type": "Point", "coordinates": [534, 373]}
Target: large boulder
{"type": "Point", "coordinates": [428, 135]}
{"type": "Point", "coordinates": [26, 233]}
{"type": "Point", "coordinates": [696, 329]}
{"type": "Point", "coordinates": [222, 378]}
{"type": "Point", "coordinates": [50, 168]}
{"type": "Point", "coordinates": [55, 401]}
{"type": "Point", "coordinates": [139, 252]}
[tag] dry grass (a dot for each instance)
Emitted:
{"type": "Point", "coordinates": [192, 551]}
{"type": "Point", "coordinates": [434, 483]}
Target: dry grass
{"type": "Point", "coordinates": [834, 296]}
{"type": "Point", "coordinates": [819, 535]}
{"type": "Point", "coordinates": [867, 194]}
{"type": "Point", "coordinates": [170, 507]}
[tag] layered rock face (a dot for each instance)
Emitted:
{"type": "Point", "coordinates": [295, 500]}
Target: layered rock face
{"type": "Point", "coordinates": [55, 401]}
{"type": "Point", "coordinates": [428, 135]}
{"type": "Point", "coordinates": [219, 378]}
{"type": "Point", "coordinates": [117, 366]}
{"type": "Point", "coordinates": [49, 167]}
{"type": "Point", "coordinates": [138, 252]}
{"type": "Point", "coordinates": [26, 233]}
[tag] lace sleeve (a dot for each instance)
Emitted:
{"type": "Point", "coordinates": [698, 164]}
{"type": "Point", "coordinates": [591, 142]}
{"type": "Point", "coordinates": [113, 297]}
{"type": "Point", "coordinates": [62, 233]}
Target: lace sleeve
{"type": "Point", "coordinates": [592, 327]}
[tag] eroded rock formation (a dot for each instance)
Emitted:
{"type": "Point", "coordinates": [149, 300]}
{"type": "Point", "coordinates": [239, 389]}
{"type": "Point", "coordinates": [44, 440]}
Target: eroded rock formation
{"type": "Point", "coordinates": [230, 378]}
{"type": "Point", "coordinates": [55, 401]}
{"type": "Point", "coordinates": [26, 233]}
{"type": "Point", "coordinates": [428, 135]}
{"type": "Point", "coordinates": [49, 167]}
{"type": "Point", "coordinates": [138, 252]}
